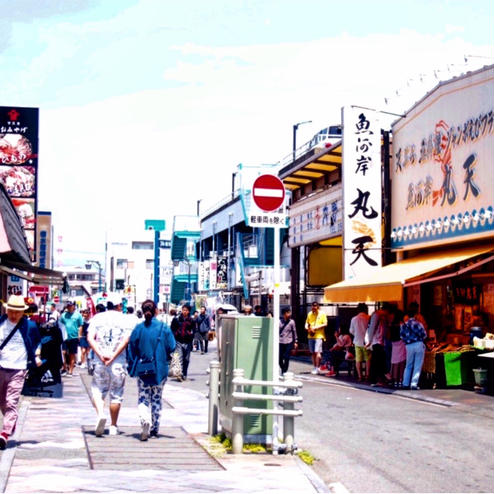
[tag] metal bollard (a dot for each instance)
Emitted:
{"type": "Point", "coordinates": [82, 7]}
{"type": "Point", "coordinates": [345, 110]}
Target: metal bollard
{"type": "Point", "coordinates": [214, 378]}
{"type": "Point", "coordinates": [288, 422]}
{"type": "Point", "coordinates": [237, 419]}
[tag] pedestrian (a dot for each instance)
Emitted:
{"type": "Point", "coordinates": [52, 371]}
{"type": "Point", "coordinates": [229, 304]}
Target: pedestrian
{"type": "Point", "coordinates": [183, 329]}
{"type": "Point", "coordinates": [72, 322]}
{"type": "Point", "coordinates": [108, 335]}
{"type": "Point", "coordinates": [315, 324]}
{"type": "Point", "coordinates": [339, 351]}
{"type": "Point", "coordinates": [374, 338]}
{"type": "Point", "coordinates": [19, 350]}
{"type": "Point", "coordinates": [197, 337]}
{"type": "Point", "coordinates": [288, 339]}
{"type": "Point", "coordinates": [151, 341]}
{"type": "Point", "coordinates": [248, 310]}
{"type": "Point", "coordinates": [83, 344]}
{"type": "Point", "coordinates": [258, 311]}
{"type": "Point", "coordinates": [413, 333]}
{"type": "Point", "coordinates": [358, 328]}
{"type": "Point", "coordinates": [53, 315]}
{"type": "Point", "coordinates": [398, 349]}
{"type": "Point", "coordinates": [203, 328]}
{"type": "Point", "coordinates": [217, 328]}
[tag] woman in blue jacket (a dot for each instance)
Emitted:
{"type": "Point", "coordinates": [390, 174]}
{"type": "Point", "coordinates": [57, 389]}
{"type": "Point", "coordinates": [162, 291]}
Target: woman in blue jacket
{"type": "Point", "coordinates": [151, 342]}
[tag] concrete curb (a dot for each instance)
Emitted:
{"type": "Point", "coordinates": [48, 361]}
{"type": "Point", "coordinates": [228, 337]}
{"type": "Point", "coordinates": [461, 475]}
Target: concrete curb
{"type": "Point", "coordinates": [314, 479]}
{"type": "Point", "coordinates": [8, 454]}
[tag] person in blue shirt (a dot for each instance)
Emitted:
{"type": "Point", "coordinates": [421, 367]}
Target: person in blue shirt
{"type": "Point", "coordinates": [150, 341]}
{"type": "Point", "coordinates": [412, 332]}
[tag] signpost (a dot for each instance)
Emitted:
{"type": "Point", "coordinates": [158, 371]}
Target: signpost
{"type": "Point", "coordinates": [268, 193]}
{"type": "Point", "coordinates": [158, 226]}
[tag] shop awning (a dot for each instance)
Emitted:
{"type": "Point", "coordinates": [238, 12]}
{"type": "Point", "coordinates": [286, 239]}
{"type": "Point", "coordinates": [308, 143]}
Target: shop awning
{"type": "Point", "coordinates": [388, 282]}
{"type": "Point", "coordinates": [316, 163]}
{"type": "Point", "coordinates": [30, 273]}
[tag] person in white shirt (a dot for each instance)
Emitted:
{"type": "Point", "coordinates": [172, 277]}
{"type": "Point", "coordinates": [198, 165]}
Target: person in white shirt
{"type": "Point", "coordinates": [108, 335]}
{"type": "Point", "coordinates": [358, 328]}
{"type": "Point", "coordinates": [19, 350]}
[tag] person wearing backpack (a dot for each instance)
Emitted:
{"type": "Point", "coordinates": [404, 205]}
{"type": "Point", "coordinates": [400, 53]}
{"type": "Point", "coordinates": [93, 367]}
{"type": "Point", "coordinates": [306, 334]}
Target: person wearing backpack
{"type": "Point", "coordinates": [150, 346]}
{"type": "Point", "coordinates": [19, 350]}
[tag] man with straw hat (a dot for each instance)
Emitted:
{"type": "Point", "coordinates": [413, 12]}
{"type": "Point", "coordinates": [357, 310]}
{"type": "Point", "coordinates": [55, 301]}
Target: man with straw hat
{"type": "Point", "coordinates": [19, 350]}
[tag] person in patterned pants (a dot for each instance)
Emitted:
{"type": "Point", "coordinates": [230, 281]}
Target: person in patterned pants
{"type": "Point", "coordinates": [151, 341]}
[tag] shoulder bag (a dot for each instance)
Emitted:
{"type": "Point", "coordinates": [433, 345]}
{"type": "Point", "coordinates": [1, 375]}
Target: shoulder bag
{"type": "Point", "coordinates": [146, 367]}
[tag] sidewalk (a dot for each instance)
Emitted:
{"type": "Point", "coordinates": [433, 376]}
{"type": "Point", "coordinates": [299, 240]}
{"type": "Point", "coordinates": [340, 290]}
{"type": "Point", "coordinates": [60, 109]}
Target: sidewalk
{"type": "Point", "coordinates": [51, 453]}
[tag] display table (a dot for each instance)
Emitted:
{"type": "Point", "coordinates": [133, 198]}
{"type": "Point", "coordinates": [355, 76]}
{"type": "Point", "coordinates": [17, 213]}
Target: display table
{"type": "Point", "coordinates": [454, 369]}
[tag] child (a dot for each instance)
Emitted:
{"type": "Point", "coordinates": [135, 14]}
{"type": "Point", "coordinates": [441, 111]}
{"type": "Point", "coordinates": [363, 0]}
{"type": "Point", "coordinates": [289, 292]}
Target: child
{"type": "Point", "coordinates": [398, 351]}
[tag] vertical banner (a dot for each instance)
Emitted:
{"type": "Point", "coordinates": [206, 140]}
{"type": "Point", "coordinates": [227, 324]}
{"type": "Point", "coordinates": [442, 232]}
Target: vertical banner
{"type": "Point", "coordinates": [362, 192]}
{"type": "Point", "coordinates": [19, 164]}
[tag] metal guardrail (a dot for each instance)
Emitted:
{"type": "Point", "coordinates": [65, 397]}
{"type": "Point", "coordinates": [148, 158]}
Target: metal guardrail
{"type": "Point", "coordinates": [288, 413]}
{"type": "Point", "coordinates": [289, 397]}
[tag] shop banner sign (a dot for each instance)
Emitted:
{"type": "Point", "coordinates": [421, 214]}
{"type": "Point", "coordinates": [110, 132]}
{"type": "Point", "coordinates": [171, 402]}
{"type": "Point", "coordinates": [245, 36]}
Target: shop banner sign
{"type": "Point", "coordinates": [362, 192]}
{"type": "Point", "coordinates": [443, 168]}
{"type": "Point", "coordinates": [19, 164]}
{"type": "Point", "coordinates": [316, 218]}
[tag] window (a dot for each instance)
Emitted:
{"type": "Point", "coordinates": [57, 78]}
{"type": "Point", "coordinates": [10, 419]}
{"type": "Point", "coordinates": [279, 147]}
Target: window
{"type": "Point", "coordinates": [121, 263]}
{"type": "Point", "coordinates": [137, 245]}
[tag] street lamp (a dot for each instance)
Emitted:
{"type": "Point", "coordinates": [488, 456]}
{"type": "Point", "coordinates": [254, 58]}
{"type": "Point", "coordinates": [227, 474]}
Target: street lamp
{"type": "Point", "coordinates": [88, 266]}
{"type": "Point", "coordinates": [295, 128]}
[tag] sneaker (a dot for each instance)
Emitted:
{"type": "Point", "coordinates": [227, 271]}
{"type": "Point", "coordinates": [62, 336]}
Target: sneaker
{"type": "Point", "coordinates": [3, 441]}
{"type": "Point", "coordinates": [314, 371]}
{"type": "Point", "coordinates": [414, 387]}
{"type": "Point", "coordinates": [180, 378]}
{"type": "Point", "coordinates": [323, 367]}
{"type": "Point", "coordinates": [100, 427]}
{"type": "Point", "coordinates": [153, 435]}
{"type": "Point", "coordinates": [145, 431]}
{"type": "Point", "coordinates": [114, 430]}
{"type": "Point", "coordinates": [331, 374]}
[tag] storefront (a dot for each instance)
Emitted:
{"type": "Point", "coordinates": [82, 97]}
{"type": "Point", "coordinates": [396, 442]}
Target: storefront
{"type": "Point", "coordinates": [442, 225]}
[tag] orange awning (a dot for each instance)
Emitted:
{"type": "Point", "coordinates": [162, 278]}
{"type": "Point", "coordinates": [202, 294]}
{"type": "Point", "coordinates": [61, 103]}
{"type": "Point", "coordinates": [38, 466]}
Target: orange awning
{"type": "Point", "coordinates": [387, 283]}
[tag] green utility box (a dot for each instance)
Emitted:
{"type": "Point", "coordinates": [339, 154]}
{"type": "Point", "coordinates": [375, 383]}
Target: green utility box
{"type": "Point", "coordinates": [247, 343]}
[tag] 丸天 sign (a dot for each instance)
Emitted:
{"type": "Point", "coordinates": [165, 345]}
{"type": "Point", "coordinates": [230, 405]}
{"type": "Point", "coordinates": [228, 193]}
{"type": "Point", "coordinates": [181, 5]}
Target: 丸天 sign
{"type": "Point", "coordinates": [362, 192]}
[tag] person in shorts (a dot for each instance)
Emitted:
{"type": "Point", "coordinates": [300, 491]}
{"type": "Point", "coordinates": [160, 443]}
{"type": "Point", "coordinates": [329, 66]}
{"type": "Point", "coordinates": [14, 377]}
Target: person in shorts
{"type": "Point", "coordinates": [315, 324]}
{"type": "Point", "coordinates": [358, 328]}
{"type": "Point", "coordinates": [72, 322]}
{"type": "Point", "coordinates": [108, 335]}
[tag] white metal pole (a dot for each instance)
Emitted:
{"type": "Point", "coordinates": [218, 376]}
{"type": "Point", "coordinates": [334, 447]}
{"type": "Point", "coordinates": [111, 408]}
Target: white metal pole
{"type": "Point", "coordinates": [276, 327]}
{"type": "Point", "coordinates": [276, 305]}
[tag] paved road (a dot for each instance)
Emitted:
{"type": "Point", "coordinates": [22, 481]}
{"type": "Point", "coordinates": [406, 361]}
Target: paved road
{"type": "Point", "coordinates": [375, 442]}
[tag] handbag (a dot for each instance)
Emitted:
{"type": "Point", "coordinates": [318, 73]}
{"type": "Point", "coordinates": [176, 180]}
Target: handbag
{"type": "Point", "coordinates": [175, 367]}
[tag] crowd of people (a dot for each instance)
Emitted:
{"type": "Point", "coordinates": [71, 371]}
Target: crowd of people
{"type": "Point", "coordinates": [111, 344]}
{"type": "Point", "coordinates": [387, 347]}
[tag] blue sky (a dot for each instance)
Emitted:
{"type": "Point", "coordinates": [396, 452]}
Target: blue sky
{"type": "Point", "coordinates": [145, 103]}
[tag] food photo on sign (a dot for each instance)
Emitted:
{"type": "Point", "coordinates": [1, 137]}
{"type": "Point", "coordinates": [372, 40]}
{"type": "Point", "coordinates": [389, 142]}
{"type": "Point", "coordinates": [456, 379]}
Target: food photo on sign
{"type": "Point", "coordinates": [15, 149]}
{"type": "Point", "coordinates": [19, 181]}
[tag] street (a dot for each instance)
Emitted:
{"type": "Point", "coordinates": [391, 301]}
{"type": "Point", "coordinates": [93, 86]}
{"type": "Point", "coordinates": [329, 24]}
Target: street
{"type": "Point", "coordinates": [376, 442]}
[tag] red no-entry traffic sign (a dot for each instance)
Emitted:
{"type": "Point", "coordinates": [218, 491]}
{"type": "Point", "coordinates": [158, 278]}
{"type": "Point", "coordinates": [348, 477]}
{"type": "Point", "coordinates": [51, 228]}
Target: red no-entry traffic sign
{"type": "Point", "coordinates": [268, 192]}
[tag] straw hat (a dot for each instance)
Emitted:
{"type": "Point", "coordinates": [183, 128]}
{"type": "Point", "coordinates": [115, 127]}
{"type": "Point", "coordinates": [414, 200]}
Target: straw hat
{"type": "Point", "coordinates": [16, 302]}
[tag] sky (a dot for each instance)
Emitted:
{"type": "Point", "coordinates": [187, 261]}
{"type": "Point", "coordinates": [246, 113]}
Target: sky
{"type": "Point", "coordinates": [148, 106]}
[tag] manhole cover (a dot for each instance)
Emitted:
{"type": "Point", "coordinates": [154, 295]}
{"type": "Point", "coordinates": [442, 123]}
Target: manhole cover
{"type": "Point", "coordinates": [174, 449]}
